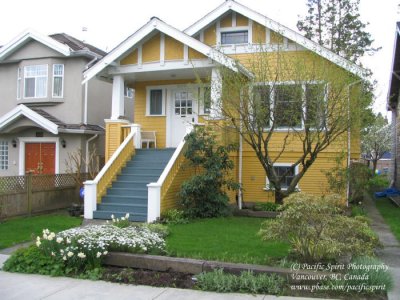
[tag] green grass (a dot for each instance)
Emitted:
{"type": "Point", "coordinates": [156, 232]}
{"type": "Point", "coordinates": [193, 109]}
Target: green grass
{"type": "Point", "coordinates": [391, 213]}
{"type": "Point", "coordinates": [23, 229]}
{"type": "Point", "coordinates": [225, 239]}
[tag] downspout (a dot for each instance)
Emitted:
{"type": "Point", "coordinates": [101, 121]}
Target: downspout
{"type": "Point", "coordinates": [240, 195]}
{"type": "Point", "coordinates": [87, 151]}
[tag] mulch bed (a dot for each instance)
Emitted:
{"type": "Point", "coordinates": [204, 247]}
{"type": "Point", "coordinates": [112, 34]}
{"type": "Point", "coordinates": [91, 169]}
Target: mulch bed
{"type": "Point", "coordinates": [146, 277]}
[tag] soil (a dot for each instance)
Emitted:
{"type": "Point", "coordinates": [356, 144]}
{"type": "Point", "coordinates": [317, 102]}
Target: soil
{"type": "Point", "coordinates": [146, 277]}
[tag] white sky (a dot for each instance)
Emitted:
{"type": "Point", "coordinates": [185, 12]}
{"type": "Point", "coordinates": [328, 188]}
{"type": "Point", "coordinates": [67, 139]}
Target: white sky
{"type": "Point", "coordinates": [110, 22]}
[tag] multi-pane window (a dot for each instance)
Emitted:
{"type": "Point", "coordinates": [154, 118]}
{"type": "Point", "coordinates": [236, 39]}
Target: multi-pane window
{"type": "Point", "coordinates": [290, 105]}
{"type": "Point", "coordinates": [3, 155]}
{"type": "Point", "coordinates": [234, 37]}
{"type": "Point", "coordinates": [35, 81]}
{"type": "Point", "coordinates": [285, 174]}
{"type": "Point", "coordinates": [156, 102]}
{"type": "Point", "coordinates": [58, 80]}
{"type": "Point", "coordinates": [183, 103]}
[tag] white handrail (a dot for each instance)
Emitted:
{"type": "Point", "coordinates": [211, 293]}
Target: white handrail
{"type": "Point", "coordinates": [171, 162]}
{"type": "Point", "coordinates": [114, 157]}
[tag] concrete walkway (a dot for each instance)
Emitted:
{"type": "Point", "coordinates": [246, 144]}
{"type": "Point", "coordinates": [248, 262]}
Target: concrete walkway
{"type": "Point", "coordinates": [390, 254]}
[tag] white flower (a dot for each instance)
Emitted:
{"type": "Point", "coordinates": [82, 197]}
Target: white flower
{"type": "Point", "coordinates": [98, 254]}
{"type": "Point", "coordinates": [79, 241]}
{"type": "Point", "coordinates": [61, 251]}
{"type": "Point", "coordinates": [68, 241]}
{"type": "Point", "coordinates": [50, 237]}
{"type": "Point", "coordinates": [105, 252]}
{"type": "Point", "coordinates": [64, 257]}
{"type": "Point", "coordinates": [70, 254]}
{"type": "Point", "coordinates": [38, 238]}
{"type": "Point", "coordinates": [44, 236]}
{"type": "Point", "coordinates": [59, 240]}
{"type": "Point", "coordinates": [53, 254]}
{"type": "Point", "coordinates": [122, 219]}
{"type": "Point", "coordinates": [81, 255]}
{"type": "Point", "coordinates": [127, 216]}
{"type": "Point", "coordinates": [112, 217]}
{"type": "Point", "coordinates": [38, 243]}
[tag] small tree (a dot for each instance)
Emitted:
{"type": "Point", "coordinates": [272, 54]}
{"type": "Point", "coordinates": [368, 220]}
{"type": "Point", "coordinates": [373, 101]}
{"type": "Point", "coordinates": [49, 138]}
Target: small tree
{"type": "Point", "coordinates": [77, 164]}
{"type": "Point", "coordinates": [376, 140]}
{"type": "Point", "coordinates": [295, 104]}
{"type": "Point", "coordinates": [203, 195]}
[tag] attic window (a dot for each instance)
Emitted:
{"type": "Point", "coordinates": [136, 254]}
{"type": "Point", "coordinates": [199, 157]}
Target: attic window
{"type": "Point", "coordinates": [235, 37]}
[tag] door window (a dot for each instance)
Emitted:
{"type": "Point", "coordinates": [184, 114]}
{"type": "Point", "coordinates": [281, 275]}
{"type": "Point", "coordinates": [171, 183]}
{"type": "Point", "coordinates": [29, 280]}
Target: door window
{"type": "Point", "coordinates": [183, 103]}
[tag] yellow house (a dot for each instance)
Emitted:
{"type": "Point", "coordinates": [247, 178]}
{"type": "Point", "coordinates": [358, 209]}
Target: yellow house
{"type": "Point", "coordinates": [163, 66]}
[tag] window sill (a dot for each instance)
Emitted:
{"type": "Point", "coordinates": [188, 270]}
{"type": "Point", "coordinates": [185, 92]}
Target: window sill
{"type": "Point", "coordinates": [49, 101]}
{"type": "Point", "coordinates": [155, 115]}
{"type": "Point", "coordinates": [269, 189]}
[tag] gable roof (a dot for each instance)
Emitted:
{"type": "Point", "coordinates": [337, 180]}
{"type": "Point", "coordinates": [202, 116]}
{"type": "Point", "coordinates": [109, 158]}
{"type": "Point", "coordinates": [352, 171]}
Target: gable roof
{"type": "Point", "coordinates": [148, 28]}
{"type": "Point", "coordinates": [46, 121]}
{"type": "Point", "coordinates": [277, 27]}
{"type": "Point", "coordinates": [60, 42]}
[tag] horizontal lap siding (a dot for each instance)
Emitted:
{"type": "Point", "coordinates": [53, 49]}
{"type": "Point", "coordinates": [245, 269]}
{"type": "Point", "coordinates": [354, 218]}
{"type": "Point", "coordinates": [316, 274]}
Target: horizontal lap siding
{"type": "Point", "coordinates": [151, 49]}
{"type": "Point", "coordinates": [131, 58]}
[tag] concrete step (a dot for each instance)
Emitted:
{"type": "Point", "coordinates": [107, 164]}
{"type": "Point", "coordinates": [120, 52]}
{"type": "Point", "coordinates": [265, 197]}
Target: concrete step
{"type": "Point", "coordinates": [124, 200]}
{"type": "Point", "coordinates": [127, 191]}
{"type": "Point", "coordinates": [123, 208]}
{"type": "Point", "coordinates": [138, 178]}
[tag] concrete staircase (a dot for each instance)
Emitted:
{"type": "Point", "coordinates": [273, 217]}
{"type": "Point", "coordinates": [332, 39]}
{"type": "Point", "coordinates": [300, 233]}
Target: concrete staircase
{"type": "Point", "coordinates": [128, 194]}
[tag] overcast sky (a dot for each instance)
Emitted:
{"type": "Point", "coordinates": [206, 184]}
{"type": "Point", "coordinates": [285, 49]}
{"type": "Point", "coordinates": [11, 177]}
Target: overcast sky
{"type": "Point", "coordinates": [110, 22]}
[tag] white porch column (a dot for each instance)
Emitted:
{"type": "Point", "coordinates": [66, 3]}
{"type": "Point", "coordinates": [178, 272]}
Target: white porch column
{"type": "Point", "coordinates": [137, 140]}
{"type": "Point", "coordinates": [216, 93]}
{"type": "Point", "coordinates": [90, 199]}
{"type": "Point", "coordinates": [117, 107]}
{"type": "Point", "coordinates": [153, 201]}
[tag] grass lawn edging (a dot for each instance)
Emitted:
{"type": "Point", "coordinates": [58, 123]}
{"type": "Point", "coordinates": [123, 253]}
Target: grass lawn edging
{"type": "Point", "coordinates": [196, 266]}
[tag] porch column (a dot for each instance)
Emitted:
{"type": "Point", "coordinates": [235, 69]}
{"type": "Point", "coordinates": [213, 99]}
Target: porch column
{"type": "Point", "coordinates": [216, 92]}
{"type": "Point", "coordinates": [117, 106]}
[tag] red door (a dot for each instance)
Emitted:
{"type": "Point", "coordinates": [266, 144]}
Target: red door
{"type": "Point", "coordinates": [40, 158]}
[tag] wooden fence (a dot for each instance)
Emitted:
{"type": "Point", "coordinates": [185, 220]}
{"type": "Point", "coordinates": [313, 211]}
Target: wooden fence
{"type": "Point", "coordinates": [30, 194]}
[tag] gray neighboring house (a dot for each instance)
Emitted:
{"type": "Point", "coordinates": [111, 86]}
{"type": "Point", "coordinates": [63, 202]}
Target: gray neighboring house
{"type": "Point", "coordinates": [393, 106]}
{"type": "Point", "coordinates": [45, 111]}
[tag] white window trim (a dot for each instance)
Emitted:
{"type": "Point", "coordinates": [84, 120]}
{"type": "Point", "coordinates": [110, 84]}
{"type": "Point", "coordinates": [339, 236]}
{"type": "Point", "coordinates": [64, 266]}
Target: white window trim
{"type": "Point", "coordinates": [23, 140]}
{"type": "Point", "coordinates": [47, 82]}
{"type": "Point", "coordinates": [6, 143]}
{"type": "Point", "coordinates": [62, 81]}
{"type": "Point", "coordinates": [296, 171]}
{"type": "Point", "coordinates": [164, 95]}
{"type": "Point", "coordinates": [303, 85]}
{"type": "Point", "coordinates": [126, 94]}
{"type": "Point", "coordinates": [19, 81]}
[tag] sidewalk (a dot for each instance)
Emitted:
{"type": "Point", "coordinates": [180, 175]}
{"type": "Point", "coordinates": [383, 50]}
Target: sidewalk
{"type": "Point", "coordinates": [390, 254]}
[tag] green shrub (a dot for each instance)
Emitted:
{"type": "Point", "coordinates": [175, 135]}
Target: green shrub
{"type": "Point", "coordinates": [160, 229]}
{"type": "Point", "coordinates": [317, 231]}
{"type": "Point", "coordinates": [378, 182]}
{"type": "Point", "coordinates": [360, 175]}
{"type": "Point", "coordinates": [357, 210]}
{"type": "Point", "coordinates": [266, 206]}
{"type": "Point", "coordinates": [365, 273]}
{"type": "Point", "coordinates": [123, 222]}
{"type": "Point", "coordinates": [174, 216]}
{"type": "Point", "coordinates": [204, 194]}
{"type": "Point", "coordinates": [246, 282]}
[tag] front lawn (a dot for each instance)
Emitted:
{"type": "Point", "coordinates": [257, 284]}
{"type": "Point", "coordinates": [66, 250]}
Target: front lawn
{"type": "Point", "coordinates": [232, 239]}
{"type": "Point", "coordinates": [391, 213]}
{"type": "Point", "coordinates": [22, 229]}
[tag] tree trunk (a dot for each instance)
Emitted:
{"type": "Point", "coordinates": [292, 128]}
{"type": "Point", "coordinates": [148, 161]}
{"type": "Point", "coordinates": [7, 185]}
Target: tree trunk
{"type": "Point", "coordinates": [279, 197]}
{"type": "Point", "coordinates": [374, 163]}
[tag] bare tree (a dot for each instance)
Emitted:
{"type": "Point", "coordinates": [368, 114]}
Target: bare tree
{"type": "Point", "coordinates": [299, 104]}
{"type": "Point", "coordinates": [77, 164]}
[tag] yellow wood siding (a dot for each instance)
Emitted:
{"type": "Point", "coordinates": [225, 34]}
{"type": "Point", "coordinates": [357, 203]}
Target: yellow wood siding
{"type": "Point", "coordinates": [276, 38]}
{"type": "Point", "coordinates": [210, 35]}
{"type": "Point", "coordinates": [193, 54]}
{"type": "Point", "coordinates": [131, 59]}
{"type": "Point", "coordinates": [114, 138]}
{"type": "Point", "coordinates": [226, 21]}
{"type": "Point", "coordinates": [151, 49]}
{"type": "Point", "coordinates": [173, 49]}
{"type": "Point", "coordinates": [259, 34]}
{"type": "Point", "coordinates": [241, 20]}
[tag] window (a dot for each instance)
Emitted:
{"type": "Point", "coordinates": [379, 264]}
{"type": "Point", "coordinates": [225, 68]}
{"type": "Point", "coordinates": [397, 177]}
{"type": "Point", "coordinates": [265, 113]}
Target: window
{"type": "Point", "coordinates": [262, 104]}
{"type": "Point", "coordinates": [19, 79]}
{"type": "Point", "coordinates": [35, 84]}
{"type": "Point", "coordinates": [315, 95]}
{"type": "Point", "coordinates": [128, 92]}
{"type": "Point", "coordinates": [58, 80]}
{"type": "Point", "coordinates": [3, 155]}
{"type": "Point", "coordinates": [156, 102]}
{"type": "Point", "coordinates": [288, 105]}
{"type": "Point", "coordinates": [235, 37]}
{"type": "Point", "coordinates": [286, 173]}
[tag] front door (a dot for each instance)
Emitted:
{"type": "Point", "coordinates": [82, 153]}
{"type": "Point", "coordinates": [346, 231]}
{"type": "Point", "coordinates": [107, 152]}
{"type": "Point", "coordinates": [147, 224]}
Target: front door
{"type": "Point", "coordinates": [182, 113]}
{"type": "Point", "coordinates": [40, 158]}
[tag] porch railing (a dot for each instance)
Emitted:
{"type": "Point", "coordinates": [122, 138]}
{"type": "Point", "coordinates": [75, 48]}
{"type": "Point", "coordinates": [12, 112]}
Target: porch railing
{"type": "Point", "coordinates": [95, 189]}
{"type": "Point", "coordinates": [157, 191]}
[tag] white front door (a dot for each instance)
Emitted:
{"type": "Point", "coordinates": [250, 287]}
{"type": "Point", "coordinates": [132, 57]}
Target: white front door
{"type": "Point", "coordinates": [183, 111]}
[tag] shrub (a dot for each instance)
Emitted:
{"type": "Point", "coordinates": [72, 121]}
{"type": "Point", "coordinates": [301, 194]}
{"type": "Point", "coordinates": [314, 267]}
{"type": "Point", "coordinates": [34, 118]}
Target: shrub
{"type": "Point", "coordinates": [360, 175]}
{"type": "Point", "coordinates": [246, 282]}
{"type": "Point", "coordinates": [266, 206]}
{"type": "Point", "coordinates": [357, 210]}
{"type": "Point", "coordinates": [174, 216]}
{"type": "Point", "coordinates": [203, 195]}
{"type": "Point", "coordinates": [317, 231]}
{"type": "Point", "coordinates": [378, 182]}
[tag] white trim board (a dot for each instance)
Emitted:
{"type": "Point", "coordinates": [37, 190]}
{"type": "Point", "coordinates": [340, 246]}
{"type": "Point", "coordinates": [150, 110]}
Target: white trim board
{"type": "Point", "coordinates": [30, 34]}
{"type": "Point", "coordinates": [277, 27]}
{"type": "Point", "coordinates": [22, 110]}
{"type": "Point", "coordinates": [148, 28]}
{"type": "Point", "coordinates": [25, 140]}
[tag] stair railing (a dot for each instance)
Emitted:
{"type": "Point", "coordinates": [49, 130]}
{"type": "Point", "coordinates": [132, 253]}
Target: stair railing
{"type": "Point", "coordinates": [158, 190]}
{"type": "Point", "coordinates": [96, 189]}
